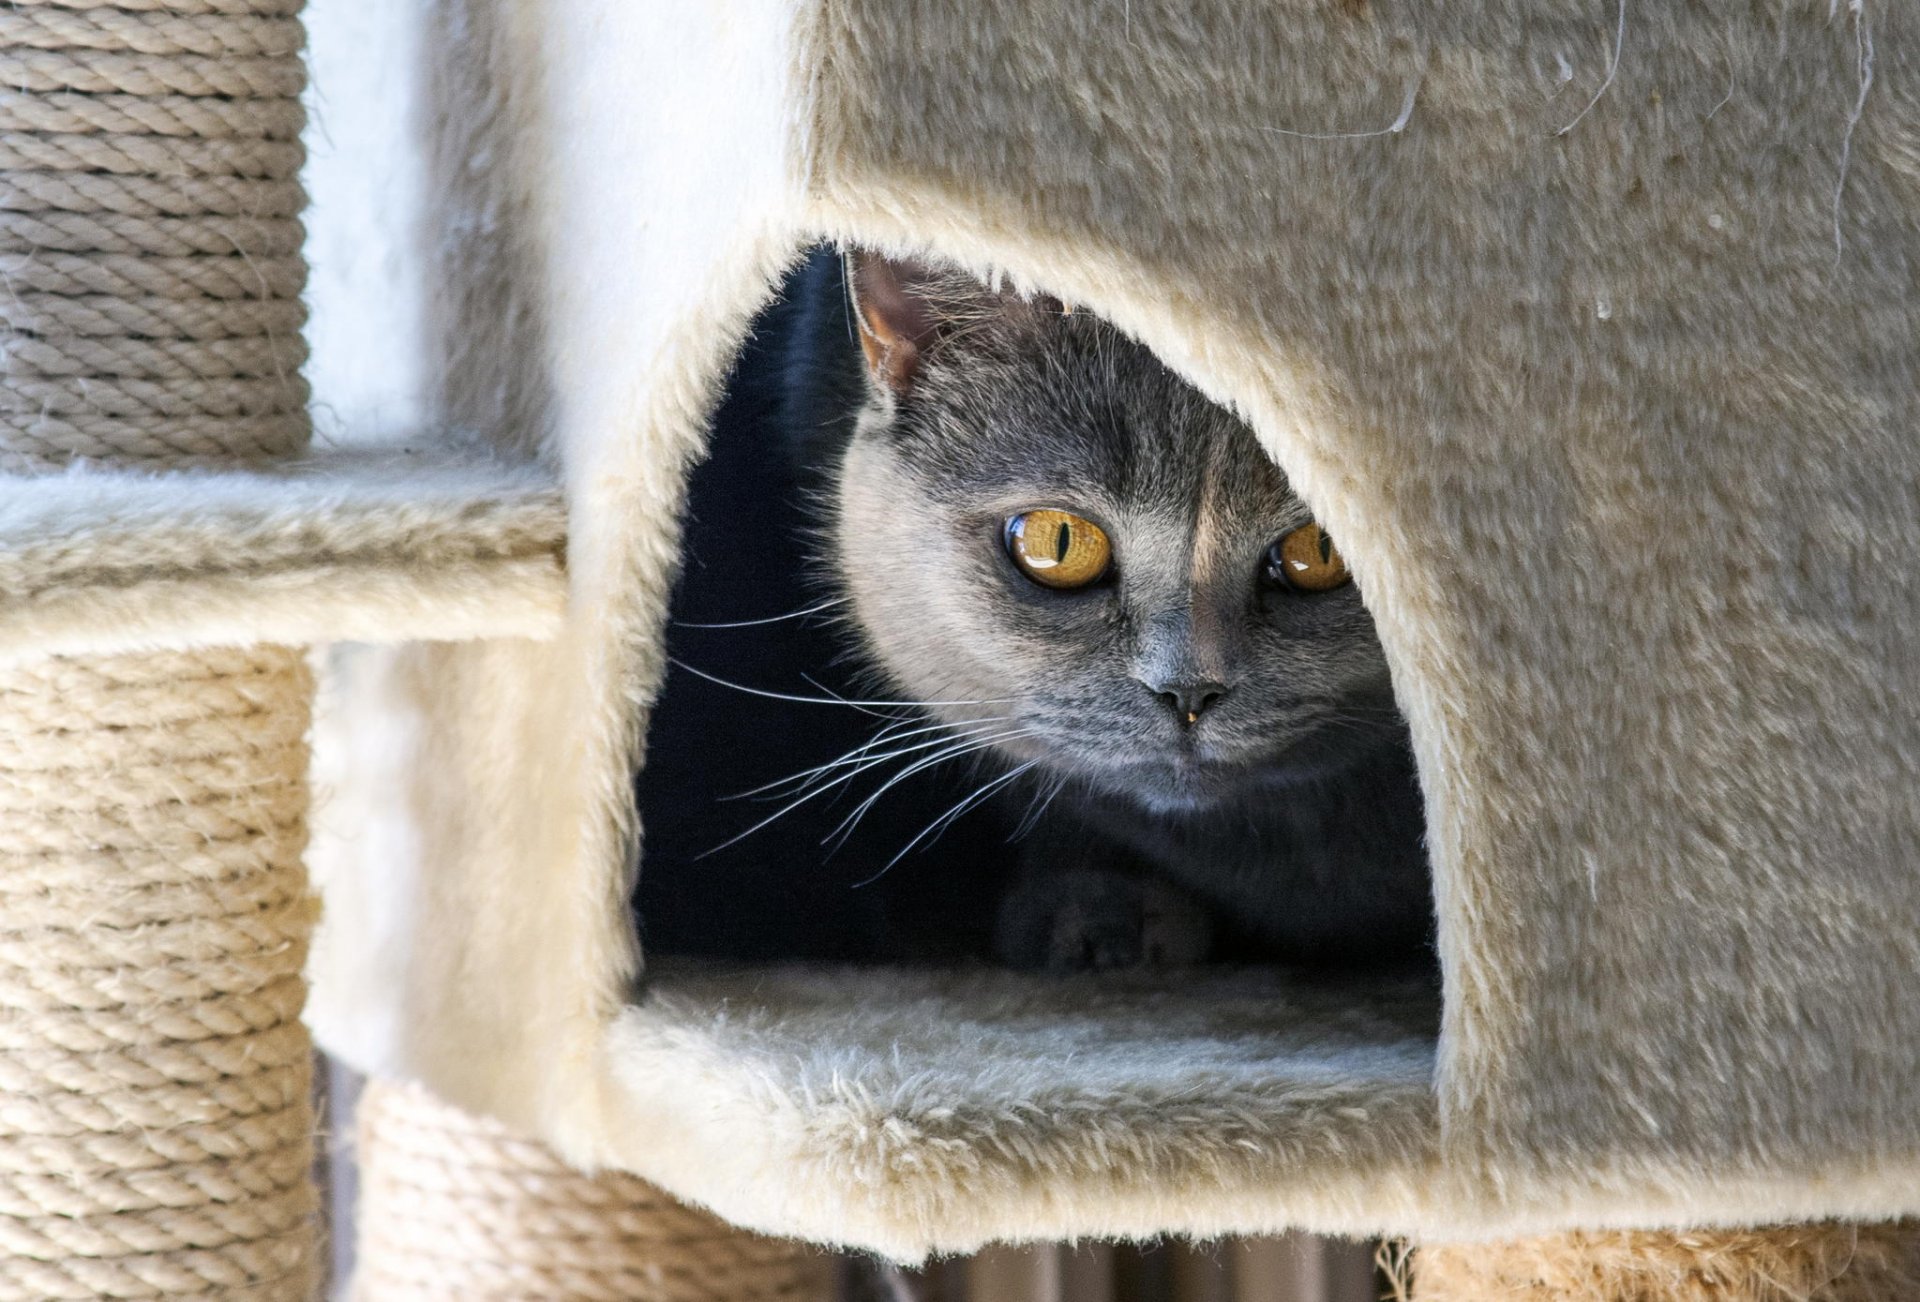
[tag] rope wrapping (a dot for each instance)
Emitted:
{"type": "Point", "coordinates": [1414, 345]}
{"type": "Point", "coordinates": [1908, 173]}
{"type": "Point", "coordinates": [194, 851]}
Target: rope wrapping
{"type": "Point", "coordinates": [154, 115]}
{"type": "Point", "coordinates": [242, 8]}
{"type": "Point", "coordinates": [130, 155]}
{"type": "Point", "coordinates": [156, 1119]}
{"type": "Point", "coordinates": [184, 74]}
{"type": "Point", "coordinates": [94, 436]}
{"type": "Point", "coordinates": [272, 281]}
{"type": "Point", "coordinates": [31, 232]}
{"type": "Point", "coordinates": [132, 397]}
{"type": "Point", "coordinates": [140, 196]}
{"type": "Point", "coordinates": [156, 1130]}
{"type": "Point", "coordinates": [149, 234]}
{"type": "Point", "coordinates": [156, 318]}
{"type": "Point", "coordinates": [156, 32]}
{"type": "Point", "coordinates": [454, 1206]}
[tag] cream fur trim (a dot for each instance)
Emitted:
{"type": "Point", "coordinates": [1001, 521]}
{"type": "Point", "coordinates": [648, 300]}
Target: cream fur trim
{"type": "Point", "coordinates": [374, 547]}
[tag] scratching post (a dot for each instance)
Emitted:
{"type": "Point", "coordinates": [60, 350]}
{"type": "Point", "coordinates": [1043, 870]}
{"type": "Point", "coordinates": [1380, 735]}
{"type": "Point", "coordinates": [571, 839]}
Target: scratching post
{"type": "Point", "coordinates": [1797, 1263]}
{"type": "Point", "coordinates": [155, 1121]}
{"type": "Point", "coordinates": [456, 1206]}
{"type": "Point", "coordinates": [149, 218]}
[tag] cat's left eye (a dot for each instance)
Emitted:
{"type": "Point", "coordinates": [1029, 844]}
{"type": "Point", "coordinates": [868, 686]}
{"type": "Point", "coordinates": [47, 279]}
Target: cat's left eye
{"type": "Point", "coordinates": [1306, 561]}
{"type": "Point", "coordinates": [1058, 549]}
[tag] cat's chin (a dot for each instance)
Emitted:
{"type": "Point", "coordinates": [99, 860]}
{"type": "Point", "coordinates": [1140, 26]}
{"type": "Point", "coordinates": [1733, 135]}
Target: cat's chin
{"type": "Point", "coordinates": [1184, 786]}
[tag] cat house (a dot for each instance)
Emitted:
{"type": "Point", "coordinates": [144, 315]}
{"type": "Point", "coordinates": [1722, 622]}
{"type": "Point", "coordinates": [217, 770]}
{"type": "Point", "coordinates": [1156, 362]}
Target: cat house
{"type": "Point", "coordinates": [1588, 331]}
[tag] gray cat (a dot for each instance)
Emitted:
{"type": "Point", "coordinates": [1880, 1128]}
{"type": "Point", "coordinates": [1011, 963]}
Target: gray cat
{"type": "Point", "coordinates": [1065, 553]}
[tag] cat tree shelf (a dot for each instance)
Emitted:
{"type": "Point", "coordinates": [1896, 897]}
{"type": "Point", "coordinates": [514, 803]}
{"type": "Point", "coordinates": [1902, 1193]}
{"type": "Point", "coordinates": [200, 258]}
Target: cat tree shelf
{"type": "Point", "coordinates": [918, 1109]}
{"type": "Point", "coordinates": [348, 546]}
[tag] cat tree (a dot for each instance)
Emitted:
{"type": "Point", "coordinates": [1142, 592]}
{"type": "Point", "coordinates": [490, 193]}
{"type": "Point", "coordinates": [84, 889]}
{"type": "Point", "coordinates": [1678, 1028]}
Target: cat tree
{"type": "Point", "coordinates": [1588, 332]}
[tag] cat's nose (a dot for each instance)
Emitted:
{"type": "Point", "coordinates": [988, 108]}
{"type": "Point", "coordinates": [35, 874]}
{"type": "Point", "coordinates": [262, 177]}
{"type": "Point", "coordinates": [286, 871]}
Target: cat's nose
{"type": "Point", "coordinates": [1189, 701]}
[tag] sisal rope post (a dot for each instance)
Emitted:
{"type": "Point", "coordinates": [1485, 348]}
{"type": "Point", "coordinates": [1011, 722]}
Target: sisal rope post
{"type": "Point", "coordinates": [156, 1129]}
{"type": "Point", "coordinates": [1791, 1263]}
{"type": "Point", "coordinates": [156, 1125]}
{"type": "Point", "coordinates": [454, 1206]}
{"type": "Point", "coordinates": [149, 232]}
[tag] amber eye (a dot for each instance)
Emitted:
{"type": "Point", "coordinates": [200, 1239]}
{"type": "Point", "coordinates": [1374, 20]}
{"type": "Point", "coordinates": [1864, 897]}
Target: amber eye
{"type": "Point", "coordinates": [1057, 549]}
{"type": "Point", "coordinates": [1306, 561]}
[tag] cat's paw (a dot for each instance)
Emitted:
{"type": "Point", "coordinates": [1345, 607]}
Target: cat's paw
{"type": "Point", "coordinates": [1093, 921]}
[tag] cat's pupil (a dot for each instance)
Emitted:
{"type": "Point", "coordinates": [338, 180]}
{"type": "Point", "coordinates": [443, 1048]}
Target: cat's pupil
{"type": "Point", "coordinates": [1064, 542]}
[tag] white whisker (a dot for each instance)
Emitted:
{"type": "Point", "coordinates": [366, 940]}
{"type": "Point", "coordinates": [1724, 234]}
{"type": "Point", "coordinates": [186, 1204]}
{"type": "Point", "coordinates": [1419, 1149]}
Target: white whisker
{"type": "Point", "coordinates": [973, 745]}
{"type": "Point", "coordinates": [823, 700]}
{"type": "Point", "coordinates": [1037, 808]}
{"type": "Point", "coordinates": [947, 819]}
{"type": "Point", "coordinates": [962, 748]}
{"type": "Point", "coordinates": [771, 619]}
{"type": "Point", "coordinates": [863, 754]}
{"type": "Point", "coordinates": [878, 714]}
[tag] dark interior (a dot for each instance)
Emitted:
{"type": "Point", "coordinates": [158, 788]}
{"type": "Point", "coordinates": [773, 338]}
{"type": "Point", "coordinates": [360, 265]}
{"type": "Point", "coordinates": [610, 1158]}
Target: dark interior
{"type": "Point", "coordinates": [783, 891]}
{"type": "Point", "coordinates": [740, 861]}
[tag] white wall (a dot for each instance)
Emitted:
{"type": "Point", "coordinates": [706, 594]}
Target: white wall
{"type": "Point", "coordinates": [365, 176]}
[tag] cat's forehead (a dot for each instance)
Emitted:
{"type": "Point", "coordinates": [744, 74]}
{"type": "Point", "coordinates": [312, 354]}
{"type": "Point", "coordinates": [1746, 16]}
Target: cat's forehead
{"type": "Point", "coordinates": [1078, 410]}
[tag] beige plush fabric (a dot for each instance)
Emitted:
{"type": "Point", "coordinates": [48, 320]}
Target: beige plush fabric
{"type": "Point", "coordinates": [1799, 1263]}
{"type": "Point", "coordinates": [1588, 328]}
{"type": "Point", "coordinates": [901, 1109]}
{"type": "Point", "coordinates": [377, 547]}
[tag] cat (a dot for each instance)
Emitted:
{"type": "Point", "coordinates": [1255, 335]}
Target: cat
{"type": "Point", "coordinates": [1064, 553]}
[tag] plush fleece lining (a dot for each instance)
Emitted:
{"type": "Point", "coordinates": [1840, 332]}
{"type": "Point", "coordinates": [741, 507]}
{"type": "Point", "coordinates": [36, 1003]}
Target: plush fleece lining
{"type": "Point", "coordinates": [376, 547]}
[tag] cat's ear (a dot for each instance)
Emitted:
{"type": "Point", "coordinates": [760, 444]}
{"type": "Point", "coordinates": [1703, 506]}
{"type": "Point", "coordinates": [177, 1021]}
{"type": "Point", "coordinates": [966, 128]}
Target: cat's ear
{"type": "Point", "coordinates": [894, 306]}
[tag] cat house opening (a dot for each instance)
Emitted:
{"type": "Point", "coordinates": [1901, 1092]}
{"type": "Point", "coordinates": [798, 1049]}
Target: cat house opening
{"type": "Point", "coordinates": [836, 862]}
{"type": "Point", "coordinates": [800, 802]}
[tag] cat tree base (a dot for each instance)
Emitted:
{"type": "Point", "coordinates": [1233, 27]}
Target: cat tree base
{"type": "Point", "coordinates": [1828, 1262]}
{"type": "Point", "coordinates": [458, 1206]}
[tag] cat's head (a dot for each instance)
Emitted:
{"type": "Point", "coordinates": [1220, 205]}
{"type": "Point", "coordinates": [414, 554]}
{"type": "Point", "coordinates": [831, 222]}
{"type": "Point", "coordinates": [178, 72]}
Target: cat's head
{"type": "Point", "coordinates": [1052, 540]}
